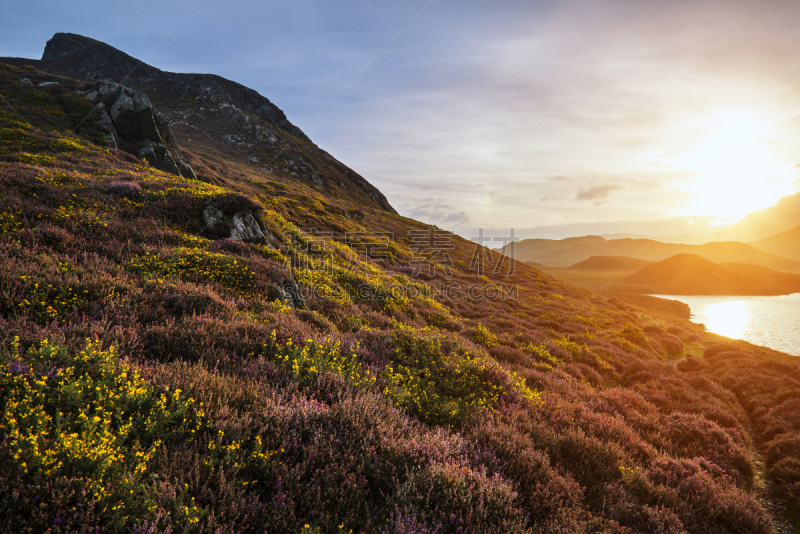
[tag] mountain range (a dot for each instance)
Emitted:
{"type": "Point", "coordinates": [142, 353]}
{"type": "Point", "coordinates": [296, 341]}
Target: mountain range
{"type": "Point", "coordinates": [567, 252]}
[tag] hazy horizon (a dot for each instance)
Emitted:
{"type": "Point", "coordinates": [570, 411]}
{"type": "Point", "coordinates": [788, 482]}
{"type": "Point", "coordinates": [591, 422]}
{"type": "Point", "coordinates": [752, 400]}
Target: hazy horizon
{"type": "Point", "coordinates": [547, 116]}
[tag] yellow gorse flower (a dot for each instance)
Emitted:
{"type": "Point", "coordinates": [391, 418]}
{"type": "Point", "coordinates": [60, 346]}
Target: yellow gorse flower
{"type": "Point", "coordinates": [82, 416]}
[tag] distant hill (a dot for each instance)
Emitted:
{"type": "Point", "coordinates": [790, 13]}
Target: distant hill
{"type": "Point", "coordinates": [534, 264]}
{"type": "Point", "coordinates": [690, 274]}
{"type": "Point", "coordinates": [567, 252]}
{"type": "Point", "coordinates": [610, 263]}
{"type": "Point", "coordinates": [762, 224]}
{"type": "Point", "coordinates": [784, 244]}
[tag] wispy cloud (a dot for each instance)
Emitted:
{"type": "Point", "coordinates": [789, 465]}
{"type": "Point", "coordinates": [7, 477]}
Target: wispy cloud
{"type": "Point", "coordinates": [598, 192]}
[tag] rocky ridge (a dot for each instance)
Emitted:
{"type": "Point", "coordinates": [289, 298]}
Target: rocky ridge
{"type": "Point", "coordinates": [210, 113]}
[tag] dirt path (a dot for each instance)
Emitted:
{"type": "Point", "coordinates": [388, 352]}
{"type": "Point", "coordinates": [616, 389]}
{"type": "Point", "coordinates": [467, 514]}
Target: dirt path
{"type": "Point", "coordinates": [762, 491]}
{"type": "Point", "coordinates": [676, 361]}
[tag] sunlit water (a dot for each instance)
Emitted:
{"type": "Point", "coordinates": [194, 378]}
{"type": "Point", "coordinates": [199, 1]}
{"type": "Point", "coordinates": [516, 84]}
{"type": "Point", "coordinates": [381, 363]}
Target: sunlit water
{"type": "Point", "coordinates": [772, 322]}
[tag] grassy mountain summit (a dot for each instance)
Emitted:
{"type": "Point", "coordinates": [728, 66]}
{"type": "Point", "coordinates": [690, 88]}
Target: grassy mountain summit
{"type": "Point", "coordinates": [162, 373]}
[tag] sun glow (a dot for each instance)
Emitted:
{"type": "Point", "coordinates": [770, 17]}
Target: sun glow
{"type": "Point", "coordinates": [727, 319]}
{"type": "Point", "coordinates": [736, 171]}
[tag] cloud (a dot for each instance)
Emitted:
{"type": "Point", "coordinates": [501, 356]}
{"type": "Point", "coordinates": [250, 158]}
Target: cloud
{"type": "Point", "coordinates": [554, 197]}
{"type": "Point", "coordinates": [456, 220]}
{"type": "Point", "coordinates": [598, 192]}
{"type": "Point", "coordinates": [435, 212]}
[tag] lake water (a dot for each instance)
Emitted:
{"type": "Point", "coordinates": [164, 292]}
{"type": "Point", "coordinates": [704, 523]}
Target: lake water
{"type": "Point", "coordinates": [772, 322]}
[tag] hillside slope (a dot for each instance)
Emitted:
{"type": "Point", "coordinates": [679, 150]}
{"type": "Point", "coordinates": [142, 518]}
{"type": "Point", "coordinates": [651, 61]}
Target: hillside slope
{"type": "Point", "coordinates": [761, 224]}
{"type": "Point", "coordinates": [164, 371]}
{"type": "Point", "coordinates": [785, 244]}
{"type": "Point", "coordinates": [690, 274]}
{"type": "Point", "coordinates": [567, 252]}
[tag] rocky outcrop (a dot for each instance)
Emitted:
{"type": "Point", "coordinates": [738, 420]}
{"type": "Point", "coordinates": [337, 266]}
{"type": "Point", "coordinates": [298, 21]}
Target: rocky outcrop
{"type": "Point", "coordinates": [84, 58]}
{"type": "Point", "coordinates": [88, 59]}
{"type": "Point", "coordinates": [234, 222]}
{"type": "Point", "coordinates": [133, 125]}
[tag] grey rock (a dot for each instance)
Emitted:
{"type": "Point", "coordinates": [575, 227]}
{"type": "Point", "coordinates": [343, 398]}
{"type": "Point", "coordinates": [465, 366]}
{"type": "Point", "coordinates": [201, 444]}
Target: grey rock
{"type": "Point", "coordinates": [213, 218]}
{"type": "Point", "coordinates": [26, 81]}
{"type": "Point", "coordinates": [241, 226]}
{"type": "Point", "coordinates": [108, 125]}
{"type": "Point", "coordinates": [245, 228]}
{"type": "Point", "coordinates": [134, 126]}
{"type": "Point", "coordinates": [47, 84]}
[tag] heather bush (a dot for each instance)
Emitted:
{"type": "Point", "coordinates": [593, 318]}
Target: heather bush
{"type": "Point", "coordinates": [549, 499]}
{"type": "Point", "coordinates": [786, 475]}
{"type": "Point", "coordinates": [694, 436]}
{"type": "Point", "coordinates": [672, 344]}
{"type": "Point", "coordinates": [713, 350]}
{"type": "Point", "coordinates": [692, 365]}
{"type": "Point", "coordinates": [39, 503]}
{"type": "Point", "coordinates": [451, 499]}
{"type": "Point", "coordinates": [129, 190]}
{"type": "Point", "coordinates": [698, 494]}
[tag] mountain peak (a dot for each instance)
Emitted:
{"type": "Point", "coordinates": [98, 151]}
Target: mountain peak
{"type": "Point", "coordinates": [64, 44]}
{"type": "Point", "coordinates": [81, 57]}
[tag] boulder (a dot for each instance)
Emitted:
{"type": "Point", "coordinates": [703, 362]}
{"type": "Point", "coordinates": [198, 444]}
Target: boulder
{"type": "Point", "coordinates": [133, 125]}
{"type": "Point", "coordinates": [245, 228]}
{"type": "Point", "coordinates": [215, 220]}
{"type": "Point", "coordinates": [239, 226]}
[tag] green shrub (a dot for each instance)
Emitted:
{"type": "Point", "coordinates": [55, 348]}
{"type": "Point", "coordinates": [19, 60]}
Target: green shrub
{"type": "Point", "coordinates": [633, 334]}
{"type": "Point", "coordinates": [482, 336]}
{"type": "Point", "coordinates": [442, 382]}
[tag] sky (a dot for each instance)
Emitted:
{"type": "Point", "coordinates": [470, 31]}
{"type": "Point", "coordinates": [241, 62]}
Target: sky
{"type": "Point", "coordinates": [554, 117]}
